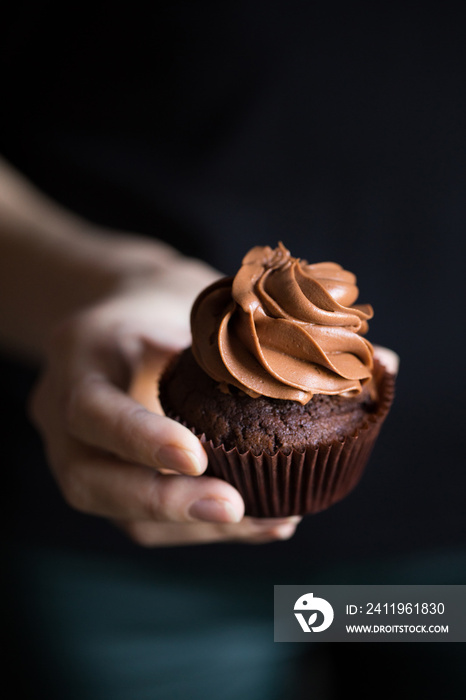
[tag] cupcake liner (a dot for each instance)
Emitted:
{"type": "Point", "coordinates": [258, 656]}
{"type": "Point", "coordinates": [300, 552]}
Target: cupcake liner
{"type": "Point", "coordinates": [299, 483]}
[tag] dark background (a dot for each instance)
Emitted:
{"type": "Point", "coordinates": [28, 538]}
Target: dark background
{"type": "Point", "coordinates": [219, 126]}
{"type": "Point", "coordinates": [340, 133]}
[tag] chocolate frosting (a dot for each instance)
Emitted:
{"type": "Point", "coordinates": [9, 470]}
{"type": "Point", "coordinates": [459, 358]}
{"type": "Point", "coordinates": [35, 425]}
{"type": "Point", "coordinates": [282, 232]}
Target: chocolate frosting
{"type": "Point", "coordinates": [283, 328]}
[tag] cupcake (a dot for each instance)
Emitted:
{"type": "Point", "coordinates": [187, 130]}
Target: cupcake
{"type": "Point", "coordinates": [279, 384]}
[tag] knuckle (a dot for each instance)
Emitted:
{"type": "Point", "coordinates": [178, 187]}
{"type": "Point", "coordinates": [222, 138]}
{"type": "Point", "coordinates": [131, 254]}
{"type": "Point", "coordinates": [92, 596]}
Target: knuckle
{"type": "Point", "coordinates": [140, 534]}
{"type": "Point", "coordinates": [159, 501]}
{"type": "Point", "coordinates": [129, 427]}
{"type": "Point", "coordinates": [74, 402]}
{"type": "Point", "coordinates": [125, 423]}
{"type": "Point", "coordinates": [151, 501]}
{"type": "Point", "coordinates": [73, 491]}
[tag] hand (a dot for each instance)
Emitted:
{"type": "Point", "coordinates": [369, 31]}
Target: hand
{"type": "Point", "coordinates": [110, 455]}
{"type": "Point", "coordinates": [389, 359]}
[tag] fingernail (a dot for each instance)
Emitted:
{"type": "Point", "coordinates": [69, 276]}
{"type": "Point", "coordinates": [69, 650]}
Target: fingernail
{"type": "Point", "coordinates": [284, 532]}
{"type": "Point", "coordinates": [179, 460]}
{"type": "Point", "coordinates": [214, 510]}
{"type": "Point", "coordinates": [276, 522]}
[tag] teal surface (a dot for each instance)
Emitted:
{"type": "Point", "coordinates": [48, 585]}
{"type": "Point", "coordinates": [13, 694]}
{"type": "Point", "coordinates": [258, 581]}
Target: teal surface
{"type": "Point", "coordinates": [95, 628]}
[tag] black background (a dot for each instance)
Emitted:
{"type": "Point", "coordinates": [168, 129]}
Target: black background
{"type": "Point", "coordinates": [218, 126]}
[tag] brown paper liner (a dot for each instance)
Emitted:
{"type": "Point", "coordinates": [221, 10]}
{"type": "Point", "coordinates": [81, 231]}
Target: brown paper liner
{"type": "Point", "coordinates": [280, 485]}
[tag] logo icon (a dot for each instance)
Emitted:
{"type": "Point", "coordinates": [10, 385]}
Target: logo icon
{"type": "Point", "coordinates": [308, 603]}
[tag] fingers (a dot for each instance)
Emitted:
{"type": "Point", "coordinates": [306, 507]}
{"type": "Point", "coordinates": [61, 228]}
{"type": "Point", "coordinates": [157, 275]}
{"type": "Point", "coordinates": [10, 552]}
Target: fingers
{"type": "Point", "coordinates": [388, 358]}
{"type": "Point", "coordinates": [249, 530]}
{"type": "Point", "coordinates": [101, 485]}
{"type": "Point", "coordinates": [157, 510]}
{"type": "Point", "coordinates": [101, 415]}
{"type": "Point", "coordinates": [107, 452]}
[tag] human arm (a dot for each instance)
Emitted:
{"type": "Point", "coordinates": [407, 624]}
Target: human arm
{"type": "Point", "coordinates": [88, 305]}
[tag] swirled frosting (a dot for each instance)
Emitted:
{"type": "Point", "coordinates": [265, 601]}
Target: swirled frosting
{"type": "Point", "coordinates": [283, 328]}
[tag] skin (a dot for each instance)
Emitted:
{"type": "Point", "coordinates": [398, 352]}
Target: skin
{"type": "Point", "coordinates": [93, 309]}
{"type": "Point", "coordinates": [100, 312]}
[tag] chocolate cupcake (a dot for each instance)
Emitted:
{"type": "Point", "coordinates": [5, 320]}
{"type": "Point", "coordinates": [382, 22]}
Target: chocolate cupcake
{"type": "Point", "coordinates": [280, 384]}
